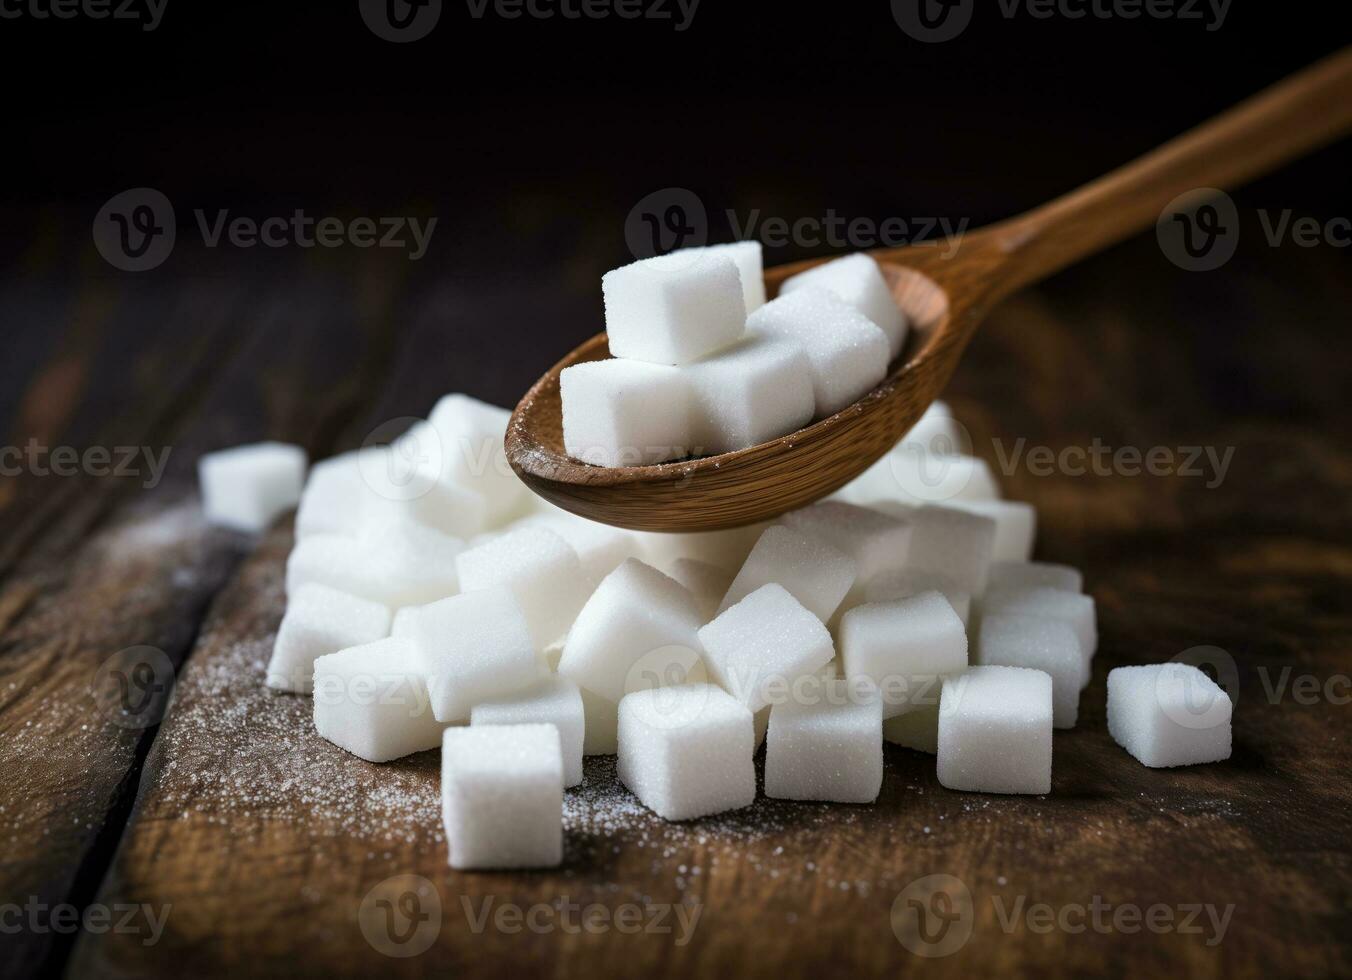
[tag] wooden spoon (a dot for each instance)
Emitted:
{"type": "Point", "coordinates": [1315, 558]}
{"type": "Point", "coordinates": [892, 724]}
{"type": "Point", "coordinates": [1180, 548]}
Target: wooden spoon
{"type": "Point", "coordinates": [945, 291]}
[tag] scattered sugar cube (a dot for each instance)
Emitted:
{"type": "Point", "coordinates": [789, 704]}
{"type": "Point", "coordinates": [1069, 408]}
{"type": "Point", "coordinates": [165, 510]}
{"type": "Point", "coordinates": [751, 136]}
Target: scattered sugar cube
{"type": "Point", "coordinates": [1035, 575]}
{"type": "Point", "coordinates": [541, 570]}
{"type": "Point", "coordinates": [602, 716]}
{"type": "Point", "coordinates": [829, 747]}
{"type": "Point", "coordinates": [750, 268]}
{"type": "Point", "coordinates": [708, 584]}
{"type": "Point", "coordinates": [917, 729]}
{"type": "Point", "coordinates": [1169, 714]}
{"type": "Point", "coordinates": [637, 630]}
{"type": "Point", "coordinates": [750, 393]}
{"type": "Point", "coordinates": [674, 309]}
{"type": "Point", "coordinates": [372, 701]}
{"type": "Point", "coordinates": [995, 731]}
{"type": "Point", "coordinates": [1072, 607]}
{"type": "Point", "coordinates": [600, 548]}
{"type": "Point", "coordinates": [246, 487]}
{"type": "Point", "coordinates": [626, 413]}
{"type": "Point", "coordinates": [686, 751]}
{"type": "Point", "coordinates": [846, 351]}
{"type": "Point", "coordinates": [764, 641]}
{"type": "Point", "coordinates": [1015, 526]}
{"type": "Point", "coordinates": [857, 280]}
{"type": "Point", "coordinates": [952, 543]}
{"type": "Point", "coordinates": [901, 583]}
{"type": "Point", "coordinates": [815, 573]}
{"type": "Point", "coordinates": [319, 621]}
{"type": "Point", "coordinates": [1048, 645]}
{"type": "Point", "coordinates": [502, 796]}
{"type": "Point", "coordinates": [473, 648]}
{"type": "Point", "coordinates": [875, 541]}
{"type": "Point", "coordinates": [397, 565]}
{"type": "Point", "coordinates": [906, 647]}
{"type": "Point", "coordinates": [472, 455]}
{"type": "Point", "coordinates": [553, 701]}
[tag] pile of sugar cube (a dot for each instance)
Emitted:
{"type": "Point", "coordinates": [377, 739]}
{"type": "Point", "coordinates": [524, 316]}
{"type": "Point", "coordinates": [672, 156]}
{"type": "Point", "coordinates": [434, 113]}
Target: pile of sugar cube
{"type": "Point", "coordinates": [433, 602]}
{"type": "Point", "coordinates": [702, 364]}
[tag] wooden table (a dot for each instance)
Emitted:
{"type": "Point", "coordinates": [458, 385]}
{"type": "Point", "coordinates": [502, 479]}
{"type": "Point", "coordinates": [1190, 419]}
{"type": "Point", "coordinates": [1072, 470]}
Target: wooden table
{"type": "Point", "coordinates": [261, 850]}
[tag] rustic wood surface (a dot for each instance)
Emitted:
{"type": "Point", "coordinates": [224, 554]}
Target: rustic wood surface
{"type": "Point", "coordinates": [259, 843]}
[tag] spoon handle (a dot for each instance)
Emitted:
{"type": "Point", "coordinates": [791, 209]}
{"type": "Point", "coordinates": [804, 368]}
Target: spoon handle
{"type": "Point", "coordinates": [1299, 114]}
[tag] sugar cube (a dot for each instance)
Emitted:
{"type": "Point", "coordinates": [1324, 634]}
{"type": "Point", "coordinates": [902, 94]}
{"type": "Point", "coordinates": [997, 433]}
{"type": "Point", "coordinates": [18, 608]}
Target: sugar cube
{"type": "Point", "coordinates": [765, 640]}
{"type": "Point", "coordinates": [397, 564]}
{"type": "Point", "coordinates": [320, 621]}
{"type": "Point", "coordinates": [922, 477]}
{"type": "Point", "coordinates": [637, 630]}
{"type": "Point", "coordinates": [626, 413]}
{"type": "Point", "coordinates": [673, 309]}
{"type": "Point", "coordinates": [846, 351]}
{"type": "Point", "coordinates": [727, 548]}
{"type": "Point", "coordinates": [473, 648]}
{"type": "Point", "coordinates": [828, 747]}
{"type": "Point", "coordinates": [918, 730]}
{"type": "Point", "coordinates": [1072, 607]}
{"type": "Point", "coordinates": [553, 701]}
{"type": "Point", "coordinates": [372, 701]}
{"type": "Point", "coordinates": [937, 432]}
{"type": "Point", "coordinates": [402, 623]}
{"type": "Point", "coordinates": [686, 751]}
{"type": "Point", "coordinates": [707, 583]}
{"type": "Point", "coordinates": [750, 393]}
{"type": "Point", "coordinates": [246, 487]}
{"type": "Point", "coordinates": [905, 646]}
{"type": "Point", "coordinates": [815, 573]}
{"type": "Point", "coordinates": [1169, 714]}
{"type": "Point", "coordinates": [750, 268]}
{"type": "Point", "coordinates": [600, 547]}
{"type": "Point", "coordinates": [404, 484]}
{"type": "Point", "coordinates": [1048, 645]}
{"type": "Point", "coordinates": [470, 447]}
{"type": "Point", "coordinates": [502, 796]}
{"type": "Point", "coordinates": [1035, 575]}
{"type": "Point", "coordinates": [332, 501]}
{"type": "Point", "coordinates": [995, 731]}
{"type": "Point", "coordinates": [602, 718]}
{"type": "Point", "coordinates": [541, 570]}
{"type": "Point", "coordinates": [1015, 526]}
{"type": "Point", "coordinates": [875, 541]}
{"type": "Point", "coordinates": [901, 583]}
{"type": "Point", "coordinates": [952, 543]}
{"type": "Point", "coordinates": [859, 281]}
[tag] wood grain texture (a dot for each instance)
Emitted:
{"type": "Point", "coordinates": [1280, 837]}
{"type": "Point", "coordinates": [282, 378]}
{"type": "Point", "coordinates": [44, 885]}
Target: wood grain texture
{"type": "Point", "coordinates": [264, 840]}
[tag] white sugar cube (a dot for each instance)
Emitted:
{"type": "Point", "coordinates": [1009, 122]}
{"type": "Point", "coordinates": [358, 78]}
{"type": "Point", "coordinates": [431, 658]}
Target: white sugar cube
{"type": "Point", "coordinates": [472, 457]}
{"type": "Point", "coordinates": [952, 543]}
{"type": "Point", "coordinates": [502, 796]}
{"type": "Point", "coordinates": [600, 547]}
{"type": "Point", "coordinates": [473, 648]}
{"type": "Point", "coordinates": [686, 751]}
{"type": "Point", "coordinates": [332, 501]}
{"type": "Point", "coordinates": [707, 583]}
{"type": "Point", "coordinates": [407, 481]}
{"type": "Point", "coordinates": [828, 747]}
{"type": "Point", "coordinates": [918, 730]}
{"type": "Point", "coordinates": [553, 701]}
{"type": "Point", "coordinates": [638, 629]}
{"type": "Point", "coordinates": [1071, 607]}
{"type": "Point", "coordinates": [673, 309]}
{"type": "Point", "coordinates": [995, 731]}
{"type": "Point", "coordinates": [602, 722]}
{"type": "Point", "coordinates": [541, 570]}
{"type": "Point", "coordinates": [857, 280]}
{"type": "Point", "coordinates": [815, 573]}
{"type": "Point", "coordinates": [937, 432]}
{"type": "Point", "coordinates": [766, 640]}
{"type": "Point", "coordinates": [397, 565]}
{"type": "Point", "coordinates": [1035, 575]}
{"type": "Point", "coordinates": [875, 541]}
{"type": "Point", "coordinates": [846, 351]}
{"type": "Point", "coordinates": [319, 621]}
{"type": "Point", "coordinates": [750, 393]}
{"type": "Point", "coordinates": [727, 548]}
{"type": "Point", "coordinates": [1169, 714]}
{"type": "Point", "coordinates": [750, 268]}
{"type": "Point", "coordinates": [906, 647]}
{"type": "Point", "coordinates": [922, 477]}
{"type": "Point", "coordinates": [373, 701]}
{"type": "Point", "coordinates": [626, 413]}
{"type": "Point", "coordinates": [1048, 645]}
{"type": "Point", "coordinates": [1015, 526]}
{"type": "Point", "coordinates": [402, 623]}
{"type": "Point", "coordinates": [902, 583]}
{"type": "Point", "coordinates": [246, 487]}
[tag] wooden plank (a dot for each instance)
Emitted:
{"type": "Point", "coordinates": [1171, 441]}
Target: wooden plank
{"type": "Point", "coordinates": [263, 842]}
